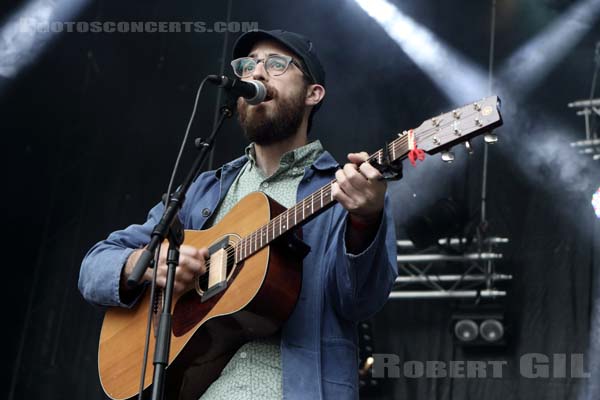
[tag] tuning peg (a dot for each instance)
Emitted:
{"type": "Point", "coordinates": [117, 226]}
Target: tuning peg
{"type": "Point", "coordinates": [469, 148]}
{"type": "Point", "coordinates": [490, 138]}
{"type": "Point", "coordinates": [447, 156]}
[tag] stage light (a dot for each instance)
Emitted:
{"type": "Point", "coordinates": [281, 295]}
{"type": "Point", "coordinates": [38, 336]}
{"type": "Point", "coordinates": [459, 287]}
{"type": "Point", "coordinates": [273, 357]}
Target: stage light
{"type": "Point", "coordinates": [20, 40]}
{"type": "Point", "coordinates": [459, 79]}
{"type": "Point", "coordinates": [596, 202]}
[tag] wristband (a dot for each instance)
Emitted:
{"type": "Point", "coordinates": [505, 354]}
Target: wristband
{"type": "Point", "coordinates": [359, 225]}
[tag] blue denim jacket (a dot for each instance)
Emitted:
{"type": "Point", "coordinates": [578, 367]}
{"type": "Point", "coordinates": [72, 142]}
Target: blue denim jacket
{"type": "Point", "coordinates": [318, 342]}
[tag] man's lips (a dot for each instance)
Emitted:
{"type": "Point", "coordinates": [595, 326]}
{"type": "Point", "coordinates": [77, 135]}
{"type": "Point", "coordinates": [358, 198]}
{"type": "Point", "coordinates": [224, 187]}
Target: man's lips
{"type": "Point", "coordinates": [270, 95]}
{"type": "Point", "coordinates": [266, 100]}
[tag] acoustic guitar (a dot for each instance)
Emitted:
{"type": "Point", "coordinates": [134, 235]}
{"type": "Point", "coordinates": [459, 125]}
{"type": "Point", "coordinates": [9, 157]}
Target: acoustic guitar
{"type": "Point", "coordinates": [254, 272]}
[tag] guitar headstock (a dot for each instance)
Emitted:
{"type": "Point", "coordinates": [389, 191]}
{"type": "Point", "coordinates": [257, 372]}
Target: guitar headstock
{"type": "Point", "coordinates": [459, 125]}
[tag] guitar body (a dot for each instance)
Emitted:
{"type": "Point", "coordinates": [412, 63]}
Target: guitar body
{"type": "Point", "coordinates": [260, 295]}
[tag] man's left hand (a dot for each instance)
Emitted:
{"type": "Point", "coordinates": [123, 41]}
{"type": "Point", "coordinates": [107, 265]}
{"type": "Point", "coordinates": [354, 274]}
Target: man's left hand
{"type": "Point", "coordinates": [360, 189]}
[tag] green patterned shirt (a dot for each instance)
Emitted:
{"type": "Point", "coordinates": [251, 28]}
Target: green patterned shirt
{"type": "Point", "coordinates": [254, 372]}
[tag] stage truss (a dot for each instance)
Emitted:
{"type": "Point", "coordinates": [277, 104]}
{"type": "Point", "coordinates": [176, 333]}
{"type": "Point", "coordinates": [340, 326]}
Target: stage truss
{"type": "Point", "coordinates": [454, 268]}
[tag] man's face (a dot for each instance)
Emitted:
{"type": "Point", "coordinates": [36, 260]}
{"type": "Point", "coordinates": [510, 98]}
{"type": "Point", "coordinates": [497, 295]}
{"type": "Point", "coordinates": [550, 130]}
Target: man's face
{"type": "Point", "coordinates": [280, 116]}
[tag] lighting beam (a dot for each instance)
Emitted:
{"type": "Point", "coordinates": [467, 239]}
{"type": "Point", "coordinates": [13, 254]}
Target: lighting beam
{"type": "Point", "coordinates": [531, 63]}
{"type": "Point", "coordinates": [21, 43]}
{"type": "Point", "coordinates": [460, 80]}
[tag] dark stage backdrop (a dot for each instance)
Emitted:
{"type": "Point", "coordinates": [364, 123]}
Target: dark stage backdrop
{"type": "Point", "coordinates": [91, 132]}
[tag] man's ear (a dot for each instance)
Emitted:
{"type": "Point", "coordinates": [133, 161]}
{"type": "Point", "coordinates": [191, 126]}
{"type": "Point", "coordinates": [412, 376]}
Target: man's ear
{"type": "Point", "coordinates": [314, 94]}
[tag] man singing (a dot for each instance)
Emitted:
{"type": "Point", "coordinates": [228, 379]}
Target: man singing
{"type": "Point", "coordinates": [351, 266]}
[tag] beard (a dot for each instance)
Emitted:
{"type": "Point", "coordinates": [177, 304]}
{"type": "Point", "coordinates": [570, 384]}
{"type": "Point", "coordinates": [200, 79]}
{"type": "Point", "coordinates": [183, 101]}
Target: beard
{"type": "Point", "coordinates": [264, 126]}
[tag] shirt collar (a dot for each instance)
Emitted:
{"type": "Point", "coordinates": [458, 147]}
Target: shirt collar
{"type": "Point", "coordinates": [302, 156]}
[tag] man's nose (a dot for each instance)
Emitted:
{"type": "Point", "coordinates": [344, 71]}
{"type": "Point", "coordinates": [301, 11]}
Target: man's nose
{"type": "Point", "coordinates": [260, 73]}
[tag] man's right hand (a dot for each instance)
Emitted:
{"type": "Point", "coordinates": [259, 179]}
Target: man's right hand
{"type": "Point", "coordinates": [192, 263]}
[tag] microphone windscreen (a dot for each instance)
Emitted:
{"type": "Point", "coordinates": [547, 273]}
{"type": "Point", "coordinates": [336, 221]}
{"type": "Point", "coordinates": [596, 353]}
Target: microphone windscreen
{"type": "Point", "coordinates": [261, 93]}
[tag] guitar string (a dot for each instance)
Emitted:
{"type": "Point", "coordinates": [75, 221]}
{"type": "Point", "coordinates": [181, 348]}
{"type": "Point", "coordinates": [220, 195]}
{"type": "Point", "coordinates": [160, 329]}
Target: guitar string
{"type": "Point", "coordinates": [325, 190]}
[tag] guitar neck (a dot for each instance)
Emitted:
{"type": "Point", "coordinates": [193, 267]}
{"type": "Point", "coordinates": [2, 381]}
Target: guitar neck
{"type": "Point", "coordinates": [309, 207]}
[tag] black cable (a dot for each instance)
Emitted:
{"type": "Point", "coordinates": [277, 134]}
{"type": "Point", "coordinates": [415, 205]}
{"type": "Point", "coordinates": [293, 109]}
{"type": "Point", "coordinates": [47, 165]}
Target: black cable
{"type": "Point", "coordinates": [219, 100]}
{"type": "Point", "coordinates": [187, 132]}
{"type": "Point", "coordinates": [149, 324]}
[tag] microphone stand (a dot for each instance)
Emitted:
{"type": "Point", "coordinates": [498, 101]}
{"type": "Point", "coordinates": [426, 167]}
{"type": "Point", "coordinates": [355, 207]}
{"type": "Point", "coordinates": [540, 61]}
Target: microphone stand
{"type": "Point", "coordinates": [169, 227]}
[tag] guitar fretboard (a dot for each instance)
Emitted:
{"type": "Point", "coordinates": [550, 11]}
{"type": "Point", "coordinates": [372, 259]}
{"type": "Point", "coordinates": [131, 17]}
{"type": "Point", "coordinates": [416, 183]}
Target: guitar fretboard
{"type": "Point", "coordinates": [310, 206]}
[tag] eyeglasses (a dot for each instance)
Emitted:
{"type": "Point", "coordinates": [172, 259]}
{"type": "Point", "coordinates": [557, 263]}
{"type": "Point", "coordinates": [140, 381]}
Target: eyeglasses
{"type": "Point", "coordinates": [275, 65]}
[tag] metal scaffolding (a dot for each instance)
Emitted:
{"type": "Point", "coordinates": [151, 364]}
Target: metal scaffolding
{"type": "Point", "coordinates": [455, 268]}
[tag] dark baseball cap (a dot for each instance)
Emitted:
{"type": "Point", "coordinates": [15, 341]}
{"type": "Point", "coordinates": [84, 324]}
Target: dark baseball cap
{"type": "Point", "coordinates": [299, 44]}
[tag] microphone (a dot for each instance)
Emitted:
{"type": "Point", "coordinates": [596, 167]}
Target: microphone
{"type": "Point", "coordinates": [253, 91]}
{"type": "Point", "coordinates": [585, 103]}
